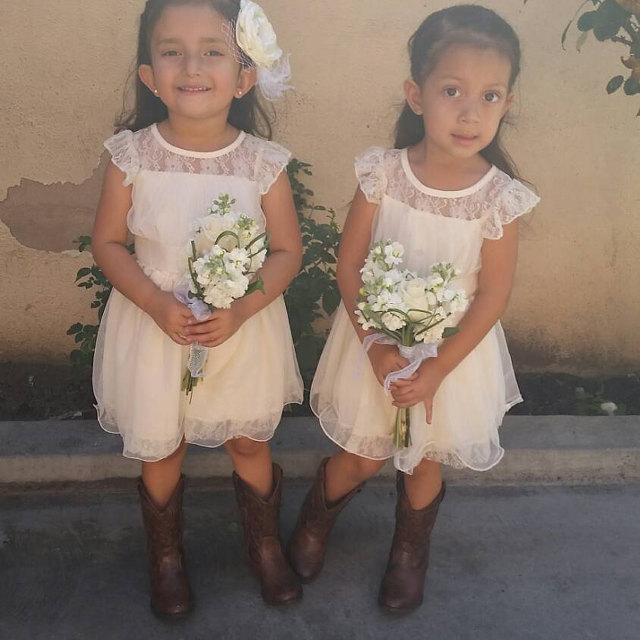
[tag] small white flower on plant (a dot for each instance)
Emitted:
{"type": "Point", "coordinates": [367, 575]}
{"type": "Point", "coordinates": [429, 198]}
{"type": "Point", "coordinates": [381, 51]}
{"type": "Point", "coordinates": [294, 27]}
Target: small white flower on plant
{"type": "Point", "coordinates": [609, 408]}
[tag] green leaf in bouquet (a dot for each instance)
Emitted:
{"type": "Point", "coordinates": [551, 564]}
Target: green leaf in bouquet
{"type": "Point", "coordinates": [450, 331]}
{"type": "Point", "coordinates": [256, 285]}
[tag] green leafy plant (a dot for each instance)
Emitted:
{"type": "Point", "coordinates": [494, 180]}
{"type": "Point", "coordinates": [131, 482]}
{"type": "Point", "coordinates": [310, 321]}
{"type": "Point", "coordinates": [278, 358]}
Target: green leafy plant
{"type": "Point", "coordinates": [85, 334]}
{"type": "Point", "coordinates": [617, 21]}
{"type": "Point", "coordinates": [311, 297]}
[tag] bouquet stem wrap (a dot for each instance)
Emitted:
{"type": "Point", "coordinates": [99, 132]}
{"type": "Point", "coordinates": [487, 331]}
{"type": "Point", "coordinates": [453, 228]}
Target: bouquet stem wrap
{"type": "Point", "coordinates": [198, 354]}
{"type": "Point", "coordinates": [416, 355]}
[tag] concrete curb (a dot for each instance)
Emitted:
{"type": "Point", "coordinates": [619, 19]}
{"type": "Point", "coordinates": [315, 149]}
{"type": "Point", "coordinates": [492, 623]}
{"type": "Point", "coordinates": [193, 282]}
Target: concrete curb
{"type": "Point", "coordinates": [539, 450]}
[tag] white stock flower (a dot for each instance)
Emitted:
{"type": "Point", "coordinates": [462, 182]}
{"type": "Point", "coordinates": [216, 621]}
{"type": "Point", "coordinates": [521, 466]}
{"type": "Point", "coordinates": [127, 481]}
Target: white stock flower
{"type": "Point", "coordinates": [255, 35]}
{"type": "Point", "coordinates": [432, 335]}
{"type": "Point", "coordinates": [457, 304]}
{"type": "Point", "coordinates": [393, 277]}
{"type": "Point", "coordinates": [238, 287]}
{"type": "Point", "coordinates": [392, 321]}
{"type": "Point", "coordinates": [237, 258]}
{"type": "Point", "coordinates": [433, 281]}
{"type": "Point", "coordinates": [448, 295]}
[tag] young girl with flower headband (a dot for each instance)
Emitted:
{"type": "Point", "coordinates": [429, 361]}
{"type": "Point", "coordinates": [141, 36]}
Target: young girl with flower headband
{"type": "Point", "coordinates": [448, 193]}
{"type": "Point", "coordinates": [189, 140]}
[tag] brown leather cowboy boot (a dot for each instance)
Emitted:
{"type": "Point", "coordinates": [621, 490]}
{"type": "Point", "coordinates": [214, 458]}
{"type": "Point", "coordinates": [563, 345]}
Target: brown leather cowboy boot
{"type": "Point", "coordinates": [170, 593]}
{"type": "Point", "coordinates": [279, 584]}
{"type": "Point", "coordinates": [402, 586]}
{"type": "Point", "coordinates": [308, 544]}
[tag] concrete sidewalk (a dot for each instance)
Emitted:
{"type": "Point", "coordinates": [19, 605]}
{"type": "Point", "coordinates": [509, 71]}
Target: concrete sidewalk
{"type": "Point", "coordinates": [540, 449]}
{"type": "Point", "coordinates": [507, 563]}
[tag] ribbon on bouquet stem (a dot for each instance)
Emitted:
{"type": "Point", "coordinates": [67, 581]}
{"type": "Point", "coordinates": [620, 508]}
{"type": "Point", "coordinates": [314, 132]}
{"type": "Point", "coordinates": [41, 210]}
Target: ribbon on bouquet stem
{"type": "Point", "coordinates": [416, 355]}
{"type": "Point", "coordinates": [197, 353]}
{"type": "Point", "coordinates": [409, 449]}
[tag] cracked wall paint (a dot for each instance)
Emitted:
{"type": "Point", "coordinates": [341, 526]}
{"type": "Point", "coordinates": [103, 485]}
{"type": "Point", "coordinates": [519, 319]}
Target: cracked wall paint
{"type": "Point", "coordinates": [50, 217]}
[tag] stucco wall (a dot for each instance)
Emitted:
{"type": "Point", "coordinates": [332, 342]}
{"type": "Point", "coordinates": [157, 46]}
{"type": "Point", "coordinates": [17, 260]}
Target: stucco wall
{"type": "Point", "coordinates": [576, 300]}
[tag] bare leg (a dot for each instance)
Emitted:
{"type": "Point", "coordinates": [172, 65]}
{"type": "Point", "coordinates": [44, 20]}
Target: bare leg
{"type": "Point", "coordinates": [161, 478]}
{"type": "Point", "coordinates": [252, 462]}
{"type": "Point", "coordinates": [424, 484]}
{"type": "Point", "coordinates": [345, 471]}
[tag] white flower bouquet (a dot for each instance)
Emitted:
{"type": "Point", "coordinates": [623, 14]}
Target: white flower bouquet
{"type": "Point", "coordinates": [408, 310]}
{"type": "Point", "coordinates": [225, 255]}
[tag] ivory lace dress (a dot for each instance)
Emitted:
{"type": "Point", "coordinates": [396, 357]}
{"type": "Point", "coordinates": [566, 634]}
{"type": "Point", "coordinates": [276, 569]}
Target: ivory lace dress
{"type": "Point", "coordinates": [137, 368]}
{"type": "Point", "coordinates": [433, 225]}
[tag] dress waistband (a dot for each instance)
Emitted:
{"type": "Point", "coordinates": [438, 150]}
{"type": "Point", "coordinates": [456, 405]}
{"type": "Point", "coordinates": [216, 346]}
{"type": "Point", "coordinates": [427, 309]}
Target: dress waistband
{"type": "Point", "coordinates": [160, 257]}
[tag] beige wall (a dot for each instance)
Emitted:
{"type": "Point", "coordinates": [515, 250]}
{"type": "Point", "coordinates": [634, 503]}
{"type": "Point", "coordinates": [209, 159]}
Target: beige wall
{"type": "Point", "coordinates": [577, 297]}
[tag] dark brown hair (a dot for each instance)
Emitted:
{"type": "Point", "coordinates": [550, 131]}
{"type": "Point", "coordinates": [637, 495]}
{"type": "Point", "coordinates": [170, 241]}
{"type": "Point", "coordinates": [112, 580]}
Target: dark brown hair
{"type": "Point", "coordinates": [466, 24]}
{"type": "Point", "coordinates": [246, 113]}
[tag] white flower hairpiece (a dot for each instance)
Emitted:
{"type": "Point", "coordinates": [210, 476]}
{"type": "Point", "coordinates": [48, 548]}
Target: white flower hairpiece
{"type": "Point", "coordinates": [258, 46]}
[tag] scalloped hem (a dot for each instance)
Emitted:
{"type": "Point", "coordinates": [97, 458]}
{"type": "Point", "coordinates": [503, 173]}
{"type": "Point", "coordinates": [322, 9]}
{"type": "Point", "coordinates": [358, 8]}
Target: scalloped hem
{"type": "Point", "coordinates": [167, 448]}
{"type": "Point", "coordinates": [452, 459]}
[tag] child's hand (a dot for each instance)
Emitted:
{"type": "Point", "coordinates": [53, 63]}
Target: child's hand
{"type": "Point", "coordinates": [386, 358]}
{"type": "Point", "coordinates": [171, 316]}
{"type": "Point", "coordinates": [222, 324]}
{"type": "Point", "coordinates": [407, 393]}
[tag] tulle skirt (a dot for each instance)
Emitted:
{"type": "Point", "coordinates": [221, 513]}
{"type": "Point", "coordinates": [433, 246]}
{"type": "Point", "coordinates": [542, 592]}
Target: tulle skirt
{"type": "Point", "coordinates": [357, 414]}
{"type": "Point", "coordinates": [138, 370]}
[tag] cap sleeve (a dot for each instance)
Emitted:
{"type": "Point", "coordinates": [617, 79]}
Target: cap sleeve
{"type": "Point", "coordinates": [370, 173]}
{"type": "Point", "coordinates": [124, 154]}
{"type": "Point", "coordinates": [272, 160]}
{"type": "Point", "coordinates": [513, 201]}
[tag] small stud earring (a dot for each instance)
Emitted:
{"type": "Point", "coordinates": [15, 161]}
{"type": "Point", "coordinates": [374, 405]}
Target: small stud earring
{"type": "Point", "coordinates": [155, 91]}
{"type": "Point", "coordinates": [239, 94]}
